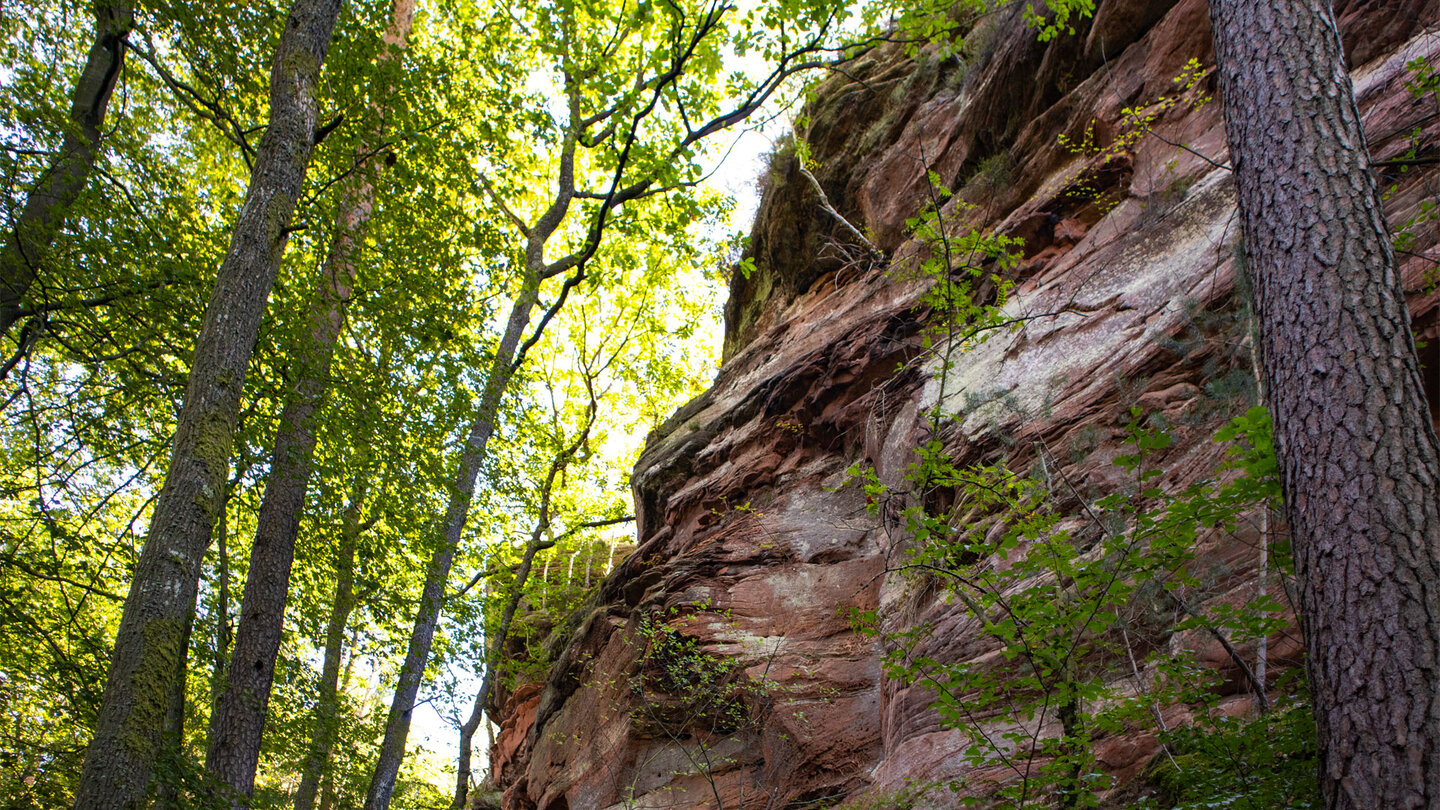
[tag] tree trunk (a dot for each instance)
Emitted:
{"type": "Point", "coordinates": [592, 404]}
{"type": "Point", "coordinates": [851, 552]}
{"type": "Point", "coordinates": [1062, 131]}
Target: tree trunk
{"type": "Point", "coordinates": [222, 599]}
{"type": "Point", "coordinates": [327, 702]}
{"type": "Point", "coordinates": [492, 663]}
{"type": "Point", "coordinates": [63, 180]}
{"type": "Point", "coordinates": [496, 646]}
{"type": "Point", "coordinates": [502, 368]}
{"type": "Point", "coordinates": [327, 786]}
{"type": "Point", "coordinates": [1357, 451]}
{"type": "Point", "coordinates": [238, 724]}
{"type": "Point", "coordinates": [327, 792]}
{"type": "Point", "coordinates": [168, 795]}
{"type": "Point", "coordinates": [121, 756]}
{"type": "Point", "coordinates": [437, 573]}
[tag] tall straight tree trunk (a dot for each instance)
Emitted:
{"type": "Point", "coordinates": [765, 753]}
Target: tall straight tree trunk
{"type": "Point", "coordinates": [238, 724]}
{"type": "Point", "coordinates": [121, 757]}
{"type": "Point", "coordinates": [1357, 452]}
{"type": "Point", "coordinates": [437, 573]}
{"type": "Point", "coordinates": [502, 368]}
{"type": "Point", "coordinates": [327, 702]}
{"type": "Point", "coordinates": [29, 241]}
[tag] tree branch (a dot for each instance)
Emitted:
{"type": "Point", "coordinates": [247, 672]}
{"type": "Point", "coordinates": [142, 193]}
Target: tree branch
{"type": "Point", "coordinates": [206, 109]}
{"type": "Point", "coordinates": [505, 209]}
{"type": "Point", "coordinates": [830, 209]}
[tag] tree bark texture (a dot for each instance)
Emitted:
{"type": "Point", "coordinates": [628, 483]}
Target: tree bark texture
{"type": "Point", "coordinates": [327, 702]}
{"type": "Point", "coordinates": [437, 573]}
{"type": "Point", "coordinates": [222, 606]}
{"type": "Point", "coordinates": [168, 794]}
{"type": "Point", "coordinates": [1357, 452]}
{"type": "Point", "coordinates": [121, 757]}
{"type": "Point", "coordinates": [238, 724]}
{"type": "Point", "coordinates": [69, 171]}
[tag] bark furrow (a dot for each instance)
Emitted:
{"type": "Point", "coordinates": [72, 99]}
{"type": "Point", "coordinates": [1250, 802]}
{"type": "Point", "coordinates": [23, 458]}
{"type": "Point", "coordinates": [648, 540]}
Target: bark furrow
{"type": "Point", "coordinates": [1353, 435]}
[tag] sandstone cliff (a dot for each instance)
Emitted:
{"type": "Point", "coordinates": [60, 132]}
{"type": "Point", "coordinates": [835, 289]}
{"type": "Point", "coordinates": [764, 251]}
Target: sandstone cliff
{"type": "Point", "coordinates": [749, 545]}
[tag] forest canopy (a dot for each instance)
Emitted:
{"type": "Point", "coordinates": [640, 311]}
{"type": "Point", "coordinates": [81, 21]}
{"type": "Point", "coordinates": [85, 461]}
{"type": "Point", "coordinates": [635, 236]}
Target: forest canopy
{"type": "Point", "coordinates": [499, 268]}
{"type": "Point", "coordinates": [330, 332]}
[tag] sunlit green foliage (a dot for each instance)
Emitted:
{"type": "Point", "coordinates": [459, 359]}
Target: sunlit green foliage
{"type": "Point", "coordinates": [469, 133]}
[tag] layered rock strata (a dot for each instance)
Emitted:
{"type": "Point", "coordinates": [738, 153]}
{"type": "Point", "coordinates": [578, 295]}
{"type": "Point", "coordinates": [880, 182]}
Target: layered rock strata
{"type": "Point", "coordinates": [751, 545]}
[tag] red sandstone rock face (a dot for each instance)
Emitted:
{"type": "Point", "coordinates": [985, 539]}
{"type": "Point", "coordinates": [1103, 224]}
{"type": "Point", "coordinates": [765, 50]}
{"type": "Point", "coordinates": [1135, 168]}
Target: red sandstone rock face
{"type": "Point", "coordinates": [748, 543]}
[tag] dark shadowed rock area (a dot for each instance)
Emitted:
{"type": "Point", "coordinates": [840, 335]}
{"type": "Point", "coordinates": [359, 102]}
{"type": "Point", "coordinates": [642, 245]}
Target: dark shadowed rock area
{"type": "Point", "coordinates": [1127, 291]}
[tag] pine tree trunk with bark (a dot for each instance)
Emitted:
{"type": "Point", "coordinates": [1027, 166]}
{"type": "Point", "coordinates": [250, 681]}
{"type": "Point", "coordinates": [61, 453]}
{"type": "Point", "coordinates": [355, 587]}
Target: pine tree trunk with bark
{"type": "Point", "coordinates": [238, 724]}
{"type": "Point", "coordinates": [1353, 436]}
{"type": "Point", "coordinates": [120, 760]}
{"type": "Point", "coordinates": [63, 180]}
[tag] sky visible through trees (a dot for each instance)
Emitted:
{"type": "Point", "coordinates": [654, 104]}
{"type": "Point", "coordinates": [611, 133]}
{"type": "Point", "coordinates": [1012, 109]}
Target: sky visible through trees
{"type": "Point", "coordinates": [330, 332]}
{"type": "Point", "coordinates": [97, 362]}
{"type": "Point", "coordinates": [733, 169]}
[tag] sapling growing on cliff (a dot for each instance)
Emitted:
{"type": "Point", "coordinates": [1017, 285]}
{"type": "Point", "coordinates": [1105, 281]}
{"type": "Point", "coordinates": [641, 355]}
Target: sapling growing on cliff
{"type": "Point", "coordinates": [710, 707]}
{"type": "Point", "coordinates": [1063, 600]}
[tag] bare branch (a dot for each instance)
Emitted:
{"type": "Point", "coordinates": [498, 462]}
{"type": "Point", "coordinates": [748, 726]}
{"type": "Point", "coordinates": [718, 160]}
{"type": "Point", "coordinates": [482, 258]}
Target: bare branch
{"type": "Point", "coordinates": [505, 209]}
{"type": "Point", "coordinates": [830, 209]}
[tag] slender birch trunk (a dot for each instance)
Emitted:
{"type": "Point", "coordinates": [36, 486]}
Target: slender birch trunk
{"type": "Point", "coordinates": [477, 440]}
{"type": "Point", "coordinates": [120, 760]}
{"type": "Point", "coordinates": [537, 271]}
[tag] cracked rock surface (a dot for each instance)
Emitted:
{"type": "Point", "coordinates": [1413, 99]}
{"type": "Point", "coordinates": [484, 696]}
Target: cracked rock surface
{"type": "Point", "coordinates": [1125, 297]}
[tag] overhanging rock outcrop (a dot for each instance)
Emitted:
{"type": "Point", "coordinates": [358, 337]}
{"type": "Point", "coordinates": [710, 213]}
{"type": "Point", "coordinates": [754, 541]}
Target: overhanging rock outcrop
{"type": "Point", "coordinates": [751, 547]}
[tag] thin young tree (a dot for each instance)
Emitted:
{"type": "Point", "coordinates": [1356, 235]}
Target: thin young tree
{"type": "Point", "coordinates": [57, 188]}
{"type": "Point", "coordinates": [120, 759]}
{"type": "Point", "coordinates": [591, 364]}
{"type": "Point", "coordinates": [637, 154]}
{"type": "Point", "coordinates": [238, 724]}
{"type": "Point", "coordinates": [353, 525]}
{"type": "Point", "coordinates": [1353, 437]}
